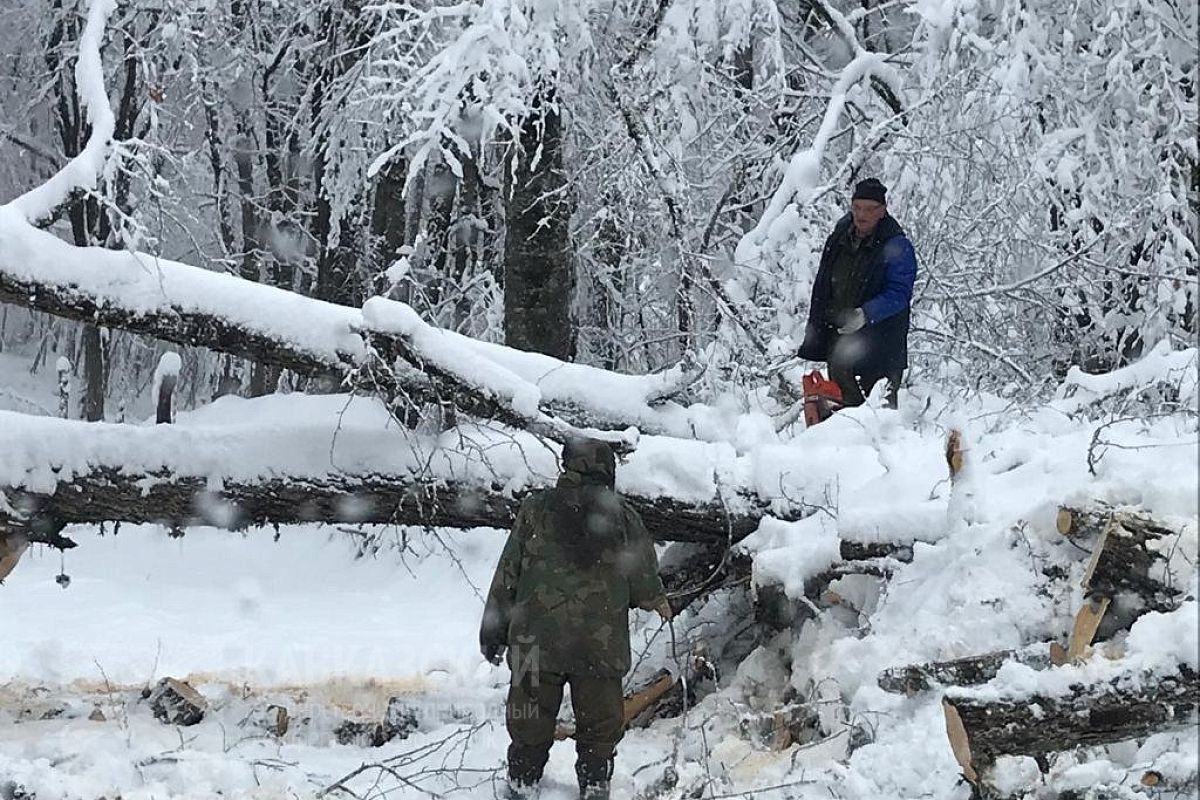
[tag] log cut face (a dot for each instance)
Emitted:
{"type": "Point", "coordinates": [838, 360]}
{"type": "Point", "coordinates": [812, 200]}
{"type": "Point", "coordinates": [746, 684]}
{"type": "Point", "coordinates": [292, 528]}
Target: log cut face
{"type": "Point", "coordinates": [1097, 714]}
{"type": "Point", "coordinates": [11, 550]}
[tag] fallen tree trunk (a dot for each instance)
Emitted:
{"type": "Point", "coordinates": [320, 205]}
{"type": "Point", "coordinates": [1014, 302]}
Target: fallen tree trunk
{"type": "Point", "coordinates": [968, 671]}
{"type": "Point", "coordinates": [1105, 713]}
{"type": "Point", "coordinates": [866, 551]}
{"type": "Point", "coordinates": [352, 354]}
{"type": "Point", "coordinates": [171, 324]}
{"type": "Point", "coordinates": [228, 335]}
{"type": "Point", "coordinates": [110, 495]}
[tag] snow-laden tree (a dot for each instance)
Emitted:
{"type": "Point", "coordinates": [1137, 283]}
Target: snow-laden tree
{"type": "Point", "coordinates": [1050, 180]}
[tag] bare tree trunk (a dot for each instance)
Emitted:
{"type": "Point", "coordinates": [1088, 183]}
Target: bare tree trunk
{"type": "Point", "coordinates": [610, 252]}
{"type": "Point", "coordinates": [95, 374]}
{"type": "Point", "coordinates": [539, 276]}
{"type": "Point", "coordinates": [388, 222]}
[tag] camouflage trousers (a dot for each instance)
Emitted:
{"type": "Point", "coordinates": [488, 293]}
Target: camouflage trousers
{"type": "Point", "coordinates": [532, 716]}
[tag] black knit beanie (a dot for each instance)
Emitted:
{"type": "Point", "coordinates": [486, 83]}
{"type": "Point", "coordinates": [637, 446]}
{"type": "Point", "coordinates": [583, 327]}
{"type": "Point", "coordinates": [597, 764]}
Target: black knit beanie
{"type": "Point", "coordinates": [870, 189]}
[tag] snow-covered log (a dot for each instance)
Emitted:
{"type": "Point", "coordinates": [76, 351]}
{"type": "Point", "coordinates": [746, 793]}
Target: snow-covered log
{"type": "Point", "coordinates": [968, 671]}
{"type": "Point", "coordinates": [188, 326]}
{"type": "Point", "coordinates": [1089, 522]}
{"type": "Point", "coordinates": [112, 495]}
{"type": "Point", "coordinates": [190, 306]}
{"type": "Point", "coordinates": [980, 730]}
{"type": "Point", "coordinates": [185, 323]}
{"type": "Point", "coordinates": [1124, 562]}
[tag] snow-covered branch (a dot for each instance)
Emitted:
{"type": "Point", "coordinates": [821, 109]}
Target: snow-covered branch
{"type": "Point", "coordinates": [803, 174]}
{"type": "Point", "coordinates": [83, 171]}
{"type": "Point", "coordinates": [1162, 365]}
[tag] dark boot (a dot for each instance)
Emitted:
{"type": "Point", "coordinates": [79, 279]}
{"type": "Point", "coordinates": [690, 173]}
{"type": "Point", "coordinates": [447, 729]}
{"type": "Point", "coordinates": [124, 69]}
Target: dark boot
{"type": "Point", "coordinates": [594, 775]}
{"type": "Point", "coordinates": [525, 767]}
{"type": "Point", "coordinates": [594, 791]}
{"type": "Point", "coordinates": [517, 790]}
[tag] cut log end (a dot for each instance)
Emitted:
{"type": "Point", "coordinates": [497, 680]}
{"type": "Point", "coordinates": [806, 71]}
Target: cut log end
{"type": "Point", "coordinates": [1064, 521]}
{"type": "Point", "coordinates": [960, 743]}
{"type": "Point", "coordinates": [1098, 552]}
{"type": "Point", "coordinates": [11, 550]}
{"type": "Point", "coordinates": [176, 702]}
{"type": "Point", "coordinates": [954, 453]}
{"type": "Point", "coordinates": [1087, 622]}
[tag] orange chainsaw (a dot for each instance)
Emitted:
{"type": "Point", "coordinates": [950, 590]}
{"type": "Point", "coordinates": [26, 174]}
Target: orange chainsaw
{"type": "Point", "coordinates": [822, 397]}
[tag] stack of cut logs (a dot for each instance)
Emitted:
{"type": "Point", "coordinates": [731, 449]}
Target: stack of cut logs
{"type": "Point", "coordinates": [1120, 568]}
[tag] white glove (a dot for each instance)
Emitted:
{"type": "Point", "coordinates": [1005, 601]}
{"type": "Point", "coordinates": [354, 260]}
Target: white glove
{"type": "Point", "coordinates": [852, 321]}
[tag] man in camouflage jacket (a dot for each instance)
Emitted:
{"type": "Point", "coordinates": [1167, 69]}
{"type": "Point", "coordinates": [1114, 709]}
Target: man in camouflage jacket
{"type": "Point", "coordinates": [577, 559]}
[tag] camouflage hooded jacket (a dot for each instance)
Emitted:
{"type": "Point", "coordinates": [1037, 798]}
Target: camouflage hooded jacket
{"type": "Point", "coordinates": [577, 559]}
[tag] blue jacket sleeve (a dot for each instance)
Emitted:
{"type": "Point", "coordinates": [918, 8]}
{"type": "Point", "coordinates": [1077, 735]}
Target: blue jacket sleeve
{"type": "Point", "coordinates": [900, 262]}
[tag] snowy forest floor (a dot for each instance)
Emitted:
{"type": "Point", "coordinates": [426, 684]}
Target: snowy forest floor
{"type": "Point", "coordinates": [294, 618]}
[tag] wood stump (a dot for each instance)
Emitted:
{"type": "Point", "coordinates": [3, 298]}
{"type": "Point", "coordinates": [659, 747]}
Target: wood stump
{"type": "Point", "coordinates": [175, 702]}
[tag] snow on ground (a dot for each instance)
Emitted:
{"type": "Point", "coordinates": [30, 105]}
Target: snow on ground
{"type": "Point", "coordinates": [301, 622]}
{"type": "Point", "coordinates": [24, 391]}
{"type": "Point", "coordinates": [246, 607]}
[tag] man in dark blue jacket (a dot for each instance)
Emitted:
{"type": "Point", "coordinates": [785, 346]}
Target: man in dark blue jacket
{"type": "Point", "coordinates": [859, 315]}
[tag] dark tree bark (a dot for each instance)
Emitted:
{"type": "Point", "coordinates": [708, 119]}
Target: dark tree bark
{"type": "Point", "coordinates": [1122, 560]}
{"type": "Point", "coordinates": [111, 494]}
{"type": "Point", "coordinates": [166, 395]}
{"type": "Point", "coordinates": [215, 139]}
{"type": "Point", "coordinates": [539, 275]}
{"type": "Point", "coordinates": [95, 374]}
{"type": "Point", "coordinates": [969, 671]}
{"type": "Point", "coordinates": [388, 222]}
